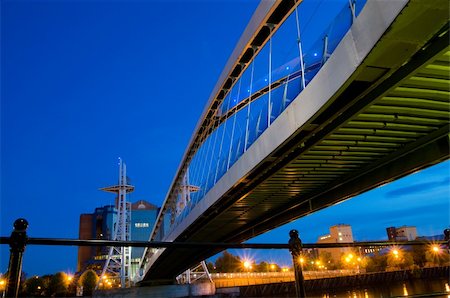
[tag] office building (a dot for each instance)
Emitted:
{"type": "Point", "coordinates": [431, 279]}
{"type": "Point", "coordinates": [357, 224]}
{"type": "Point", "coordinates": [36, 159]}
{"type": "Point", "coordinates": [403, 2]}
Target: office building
{"type": "Point", "coordinates": [340, 233]}
{"type": "Point", "coordinates": [143, 218]}
{"type": "Point", "coordinates": [100, 225]}
{"type": "Point", "coordinates": [403, 233]}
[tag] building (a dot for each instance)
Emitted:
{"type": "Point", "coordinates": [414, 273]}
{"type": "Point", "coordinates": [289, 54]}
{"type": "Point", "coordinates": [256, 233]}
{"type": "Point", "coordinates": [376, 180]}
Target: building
{"type": "Point", "coordinates": [143, 218]}
{"type": "Point", "coordinates": [340, 233]}
{"type": "Point", "coordinates": [403, 233]}
{"type": "Point", "coordinates": [85, 232]}
{"type": "Point", "coordinates": [100, 225]}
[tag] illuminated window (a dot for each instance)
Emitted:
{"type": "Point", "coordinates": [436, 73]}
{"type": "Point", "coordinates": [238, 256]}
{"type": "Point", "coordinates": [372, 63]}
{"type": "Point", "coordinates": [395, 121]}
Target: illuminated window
{"type": "Point", "coordinates": [141, 225]}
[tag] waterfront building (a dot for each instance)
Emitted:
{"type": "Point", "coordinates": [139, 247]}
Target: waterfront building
{"type": "Point", "coordinates": [341, 233]}
{"type": "Point", "coordinates": [403, 233]}
{"type": "Point", "coordinates": [97, 225]}
{"type": "Point", "coordinates": [143, 218]}
{"type": "Point", "coordinates": [100, 225]}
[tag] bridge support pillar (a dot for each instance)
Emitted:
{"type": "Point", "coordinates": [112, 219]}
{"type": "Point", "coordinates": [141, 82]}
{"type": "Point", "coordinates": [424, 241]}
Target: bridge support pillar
{"type": "Point", "coordinates": [295, 247]}
{"type": "Point", "coordinates": [17, 243]}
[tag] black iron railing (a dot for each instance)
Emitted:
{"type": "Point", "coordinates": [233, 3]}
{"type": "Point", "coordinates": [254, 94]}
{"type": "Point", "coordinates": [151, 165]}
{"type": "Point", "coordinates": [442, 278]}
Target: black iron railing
{"type": "Point", "coordinates": [19, 240]}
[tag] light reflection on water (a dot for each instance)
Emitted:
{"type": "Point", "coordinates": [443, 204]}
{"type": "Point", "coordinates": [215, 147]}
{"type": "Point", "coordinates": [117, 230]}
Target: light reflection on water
{"type": "Point", "coordinates": [395, 289]}
{"type": "Point", "coordinates": [405, 290]}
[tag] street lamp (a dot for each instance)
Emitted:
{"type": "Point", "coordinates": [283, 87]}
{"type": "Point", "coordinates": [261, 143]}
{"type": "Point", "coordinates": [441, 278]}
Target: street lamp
{"type": "Point", "coordinates": [301, 260]}
{"type": "Point", "coordinates": [436, 249]}
{"type": "Point", "coordinates": [247, 265]}
{"type": "Point", "coordinates": [395, 252]}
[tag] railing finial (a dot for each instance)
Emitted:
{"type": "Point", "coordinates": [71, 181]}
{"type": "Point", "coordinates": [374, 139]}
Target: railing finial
{"type": "Point", "coordinates": [17, 243]}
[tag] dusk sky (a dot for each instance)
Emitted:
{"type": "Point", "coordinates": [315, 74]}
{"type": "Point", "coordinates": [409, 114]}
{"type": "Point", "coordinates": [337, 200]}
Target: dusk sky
{"type": "Point", "coordinates": [86, 82]}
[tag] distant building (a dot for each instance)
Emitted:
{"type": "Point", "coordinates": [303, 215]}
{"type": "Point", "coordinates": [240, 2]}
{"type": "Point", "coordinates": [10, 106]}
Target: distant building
{"type": "Point", "coordinates": [85, 232]}
{"type": "Point", "coordinates": [100, 225]}
{"type": "Point", "coordinates": [341, 233]}
{"type": "Point", "coordinates": [431, 238]}
{"type": "Point", "coordinates": [143, 218]}
{"type": "Point", "coordinates": [403, 233]}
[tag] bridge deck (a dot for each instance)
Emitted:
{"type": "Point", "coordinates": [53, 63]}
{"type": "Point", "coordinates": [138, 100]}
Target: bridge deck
{"type": "Point", "coordinates": [388, 117]}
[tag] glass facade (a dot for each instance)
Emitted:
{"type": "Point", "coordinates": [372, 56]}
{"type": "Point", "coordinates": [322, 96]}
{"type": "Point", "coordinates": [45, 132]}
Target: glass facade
{"type": "Point", "coordinates": [101, 225]}
{"type": "Point", "coordinates": [276, 75]}
{"type": "Point", "coordinates": [143, 217]}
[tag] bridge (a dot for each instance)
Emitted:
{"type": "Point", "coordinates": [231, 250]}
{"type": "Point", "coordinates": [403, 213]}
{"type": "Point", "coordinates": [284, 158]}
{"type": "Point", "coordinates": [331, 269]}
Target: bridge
{"type": "Point", "coordinates": [314, 106]}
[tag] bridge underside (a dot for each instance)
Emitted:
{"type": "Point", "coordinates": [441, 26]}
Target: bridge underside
{"type": "Point", "coordinates": [390, 119]}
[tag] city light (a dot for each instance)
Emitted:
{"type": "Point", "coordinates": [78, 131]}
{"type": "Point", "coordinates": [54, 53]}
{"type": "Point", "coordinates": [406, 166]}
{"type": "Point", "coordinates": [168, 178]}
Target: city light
{"type": "Point", "coordinates": [272, 266]}
{"type": "Point", "coordinates": [349, 257]}
{"type": "Point", "coordinates": [436, 248]}
{"type": "Point", "coordinates": [247, 264]}
{"type": "Point", "coordinates": [395, 252]}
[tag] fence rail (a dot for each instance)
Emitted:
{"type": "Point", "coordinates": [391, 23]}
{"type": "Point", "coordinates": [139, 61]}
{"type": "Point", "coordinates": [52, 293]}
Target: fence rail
{"type": "Point", "coordinates": [19, 239]}
{"type": "Point", "coordinates": [161, 244]}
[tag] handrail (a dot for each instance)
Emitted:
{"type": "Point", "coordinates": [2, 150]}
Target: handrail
{"type": "Point", "coordinates": [161, 244]}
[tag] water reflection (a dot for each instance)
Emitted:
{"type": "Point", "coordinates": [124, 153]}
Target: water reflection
{"type": "Point", "coordinates": [393, 289]}
{"type": "Point", "coordinates": [405, 290]}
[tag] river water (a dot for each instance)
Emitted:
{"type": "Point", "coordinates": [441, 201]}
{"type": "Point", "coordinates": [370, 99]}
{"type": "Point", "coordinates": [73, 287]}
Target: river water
{"type": "Point", "coordinates": [415, 288]}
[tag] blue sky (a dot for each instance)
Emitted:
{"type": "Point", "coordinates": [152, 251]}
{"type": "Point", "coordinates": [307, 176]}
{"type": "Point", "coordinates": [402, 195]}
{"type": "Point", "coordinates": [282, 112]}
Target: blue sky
{"type": "Point", "coordinates": [84, 82]}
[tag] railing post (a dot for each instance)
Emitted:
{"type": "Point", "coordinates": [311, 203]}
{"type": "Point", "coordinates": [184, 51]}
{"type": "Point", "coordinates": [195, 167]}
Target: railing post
{"type": "Point", "coordinates": [295, 247]}
{"type": "Point", "coordinates": [17, 243]}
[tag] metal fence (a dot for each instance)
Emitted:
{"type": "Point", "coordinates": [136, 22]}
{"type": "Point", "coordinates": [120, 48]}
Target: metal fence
{"type": "Point", "coordinates": [19, 239]}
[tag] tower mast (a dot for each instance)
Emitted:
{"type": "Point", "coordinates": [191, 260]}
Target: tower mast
{"type": "Point", "coordinates": [119, 258]}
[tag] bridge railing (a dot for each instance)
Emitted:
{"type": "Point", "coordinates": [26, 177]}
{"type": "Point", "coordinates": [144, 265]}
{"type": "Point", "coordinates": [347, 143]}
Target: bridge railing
{"type": "Point", "coordinates": [279, 72]}
{"type": "Point", "coordinates": [19, 240]}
